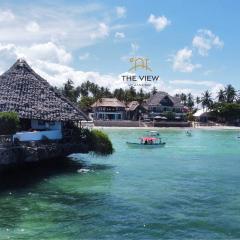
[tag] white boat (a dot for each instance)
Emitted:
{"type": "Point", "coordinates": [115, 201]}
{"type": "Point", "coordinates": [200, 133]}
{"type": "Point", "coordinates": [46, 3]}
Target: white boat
{"type": "Point", "coordinates": [189, 133]}
{"type": "Point", "coordinates": [147, 142]}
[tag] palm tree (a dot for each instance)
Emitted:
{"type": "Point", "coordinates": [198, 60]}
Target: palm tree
{"type": "Point", "coordinates": [206, 99]}
{"type": "Point", "coordinates": [198, 100]}
{"type": "Point", "coordinates": [221, 96]}
{"type": "Point", "coordinates": [230, 93]}
{"type": "Point", "coordinates": [190, 102]}
{"type": "Point", "coordinates": [154, 90]}
{"type": "Point", "coordinates": [183, 98]}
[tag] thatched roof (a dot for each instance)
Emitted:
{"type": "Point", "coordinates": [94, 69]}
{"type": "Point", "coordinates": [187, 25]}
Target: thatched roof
{"type": "Point", "coordinates": [155, 99]}
{"type": "Point", "coordinates": [132, 105]}
{"type": "Point", "coordinates": [108, 102]}
{"type": "Point", "coordinates": [32, 97]}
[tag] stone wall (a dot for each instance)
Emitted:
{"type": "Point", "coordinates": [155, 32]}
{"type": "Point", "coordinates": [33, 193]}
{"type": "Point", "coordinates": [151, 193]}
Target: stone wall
{"type": "Point", "coordinates": [10, 155]}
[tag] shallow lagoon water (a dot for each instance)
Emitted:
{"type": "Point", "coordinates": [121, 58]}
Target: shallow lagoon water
{"type": "Point", "coordinates": [187, 189]}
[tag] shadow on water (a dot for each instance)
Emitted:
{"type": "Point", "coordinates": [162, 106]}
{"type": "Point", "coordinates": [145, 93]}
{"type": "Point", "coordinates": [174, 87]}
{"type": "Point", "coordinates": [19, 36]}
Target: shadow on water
{"type": "Point", "coordinates": [29, 174]}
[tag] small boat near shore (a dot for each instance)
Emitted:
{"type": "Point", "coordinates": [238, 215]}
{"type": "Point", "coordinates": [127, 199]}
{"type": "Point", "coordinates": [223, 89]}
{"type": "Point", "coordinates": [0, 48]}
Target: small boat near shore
{"type": "Point", "coordinates": [147, 142]}
{"type": "Point", "coordinates": [189, 133]}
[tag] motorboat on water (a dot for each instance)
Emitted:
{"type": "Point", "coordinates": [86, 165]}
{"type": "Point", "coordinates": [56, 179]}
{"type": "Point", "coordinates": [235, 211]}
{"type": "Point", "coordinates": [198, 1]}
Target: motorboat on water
{"type": "Point", "coordinates": [147, 142]}
{"type": "Point", "coordinates": [189, 133]}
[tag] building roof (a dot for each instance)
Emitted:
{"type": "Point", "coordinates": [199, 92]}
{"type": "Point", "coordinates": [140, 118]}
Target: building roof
{"type": "Point", "coordinates": [108, 102]}
{"type": "Point", "coordinates": [32, 97]}
{"type": "Point", "coordinates": [132, 105]}
{"type": "Point", "coordinates": [201, 113]}
{"type": "Point", "coordinates": [156, 98]}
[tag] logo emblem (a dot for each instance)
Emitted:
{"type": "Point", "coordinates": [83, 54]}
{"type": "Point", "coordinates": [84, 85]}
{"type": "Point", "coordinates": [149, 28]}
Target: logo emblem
{"type": "Point", "coordinates": [139, 62]}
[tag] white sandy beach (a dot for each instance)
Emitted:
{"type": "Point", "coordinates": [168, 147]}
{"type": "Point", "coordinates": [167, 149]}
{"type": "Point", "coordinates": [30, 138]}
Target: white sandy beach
{"type": "Point", "coordinates": [160, 128]}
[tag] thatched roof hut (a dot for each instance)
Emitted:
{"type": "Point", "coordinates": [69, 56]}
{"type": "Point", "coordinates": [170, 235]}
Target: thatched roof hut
{"type": "Point", "coordinates": [164, 99]}
{"type": "Point", "coordinates": [108, 102]}
{"type": "Point", "coordinates": [25, 92]}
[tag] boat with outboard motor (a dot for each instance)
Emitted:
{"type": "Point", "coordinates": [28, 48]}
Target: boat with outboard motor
{"type": "Point", "coordinates": [147, 142]}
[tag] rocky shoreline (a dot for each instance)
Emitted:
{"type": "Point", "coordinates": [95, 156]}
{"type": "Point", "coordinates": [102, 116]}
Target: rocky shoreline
{"type": "Point", "coordinates": [18, 154]}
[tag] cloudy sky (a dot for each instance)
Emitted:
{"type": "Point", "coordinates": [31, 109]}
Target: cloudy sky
{"type": "Point", "coordinates": [191, 45]}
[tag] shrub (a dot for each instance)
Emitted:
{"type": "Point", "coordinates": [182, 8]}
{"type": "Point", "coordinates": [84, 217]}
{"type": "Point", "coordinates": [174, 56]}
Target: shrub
{"type": "Point", "coordinates": [9, 123]}
{"type": "Point", "coordinates": [99, 142]}
{"type": "Point", "coordinates": [170, 116]}
{"type": "Point", "coordinates": [190, 117]}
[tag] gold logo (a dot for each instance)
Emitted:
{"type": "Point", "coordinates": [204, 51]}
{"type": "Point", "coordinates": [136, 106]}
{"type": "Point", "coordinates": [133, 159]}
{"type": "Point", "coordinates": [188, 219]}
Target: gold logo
{"type": "Point", "coordinates": [139, 62]}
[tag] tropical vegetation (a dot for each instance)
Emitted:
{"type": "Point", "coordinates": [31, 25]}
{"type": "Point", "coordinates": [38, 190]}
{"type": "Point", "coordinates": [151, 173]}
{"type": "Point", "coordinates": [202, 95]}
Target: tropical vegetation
{"type": "Point", "coordinates": [9, 123]}
{"type": "Point", "coordinates": [224, 107]}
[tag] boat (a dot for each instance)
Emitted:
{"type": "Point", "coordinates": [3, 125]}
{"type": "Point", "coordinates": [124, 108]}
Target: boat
{"type": "Point", "coordinates": [189, 133]}
{"type": "Point", "coordinates": [147, 142]}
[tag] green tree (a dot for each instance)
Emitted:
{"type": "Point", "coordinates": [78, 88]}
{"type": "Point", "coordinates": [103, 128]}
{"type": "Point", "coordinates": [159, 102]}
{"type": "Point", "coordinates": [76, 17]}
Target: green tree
{"type": "Point", "coordinates": [198, 100]}
{"type": "Point", "coordinates": [221, 96]}
{"type": "Point", "coordinates": [154, 90]}
{"type": "Point", "coordinates": [183, 98]}
{"type": "Point", "coordinates": [229, 112]}
{"type": "Point", "coordinates": [190, 101]}
{"type": "Point", "coordinates": [9, 122]}
{"type": "Point", "coordinates": [230, 93]}
{"type": "Point", "coordinates": [70, 92]}
{"type": "Point", "coordinates": [119, 94]}
{"type": "Point", "coordinates": [206, 99]}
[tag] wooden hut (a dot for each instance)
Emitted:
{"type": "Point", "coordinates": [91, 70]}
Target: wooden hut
{"type": "Point", "coordinates": [42, 110]}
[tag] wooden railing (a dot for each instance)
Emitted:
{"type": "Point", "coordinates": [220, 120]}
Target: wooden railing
{"type": "Point", "coordinates": [6, 139]}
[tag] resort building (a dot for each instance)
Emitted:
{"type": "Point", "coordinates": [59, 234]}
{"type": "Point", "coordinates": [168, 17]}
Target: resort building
{"type": "Point", "coordinates": [109, 109]}
{"type": "Point", "coordinates": [43, 111]}
{"type": "Point", "coordinates": [134, 110]}
{"type": "Point", "coordinates": [160, 105]}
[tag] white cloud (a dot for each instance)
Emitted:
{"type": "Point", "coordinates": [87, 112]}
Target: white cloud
{"type": "Point", "coordinates": [197, 87]}
{"type": "Point", "coordinates": [159, 23]}
{"type": "Point", "coordinates": [121, 11]}
{"type": "Point", "coordinates": [57, 72]}
{"type": "Point", "coordinates": [6, 16]}
{"type": "Point", "coordinates": [46, 52]}
{"type": "Point", "coordinates": [73, 27]}
{"type": "Point", "coordinates": [33, 27]}
{"type": "Point", "coordinates": [193, 82]}
{"type": "Point", "coordinates": [49, 52]}
{"type": "Point", "coordinates": [119, 35]}
{"type": "Point", "coordinates": [205, 40]}
{"type": "Point", "coordinates": [182, 61]}
{"type": "Point", "coordinates": [101, 32]}
{"type": "Point", "coordinates": [84, 56]}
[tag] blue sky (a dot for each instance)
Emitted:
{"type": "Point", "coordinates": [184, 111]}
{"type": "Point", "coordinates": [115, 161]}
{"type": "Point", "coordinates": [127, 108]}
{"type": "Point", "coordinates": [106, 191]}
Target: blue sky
{"type": "Point", "coordinates": [192, 45]}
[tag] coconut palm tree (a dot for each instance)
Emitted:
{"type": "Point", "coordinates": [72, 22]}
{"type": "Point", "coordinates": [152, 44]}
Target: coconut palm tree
{"type": "Point", "coordinates": [207, 99]}
{"type": "Point", "coordinates": [183, 98]}
{"type": "Point", "coordinates": [154, 90]}
{"type": "Point", "coordinates": [198, 100]}
{"type": "Point", "coordinates": [230, 93]}
{"type": "Point", "coordinates": [221, 96]}
{"type": "Point", "coordinates": [190, 101]}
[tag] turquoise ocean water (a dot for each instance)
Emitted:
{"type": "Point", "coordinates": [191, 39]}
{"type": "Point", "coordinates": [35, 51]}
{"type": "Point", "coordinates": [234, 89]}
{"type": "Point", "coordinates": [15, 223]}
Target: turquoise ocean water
{"type": "Point", "coordinates": [189, 189]}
